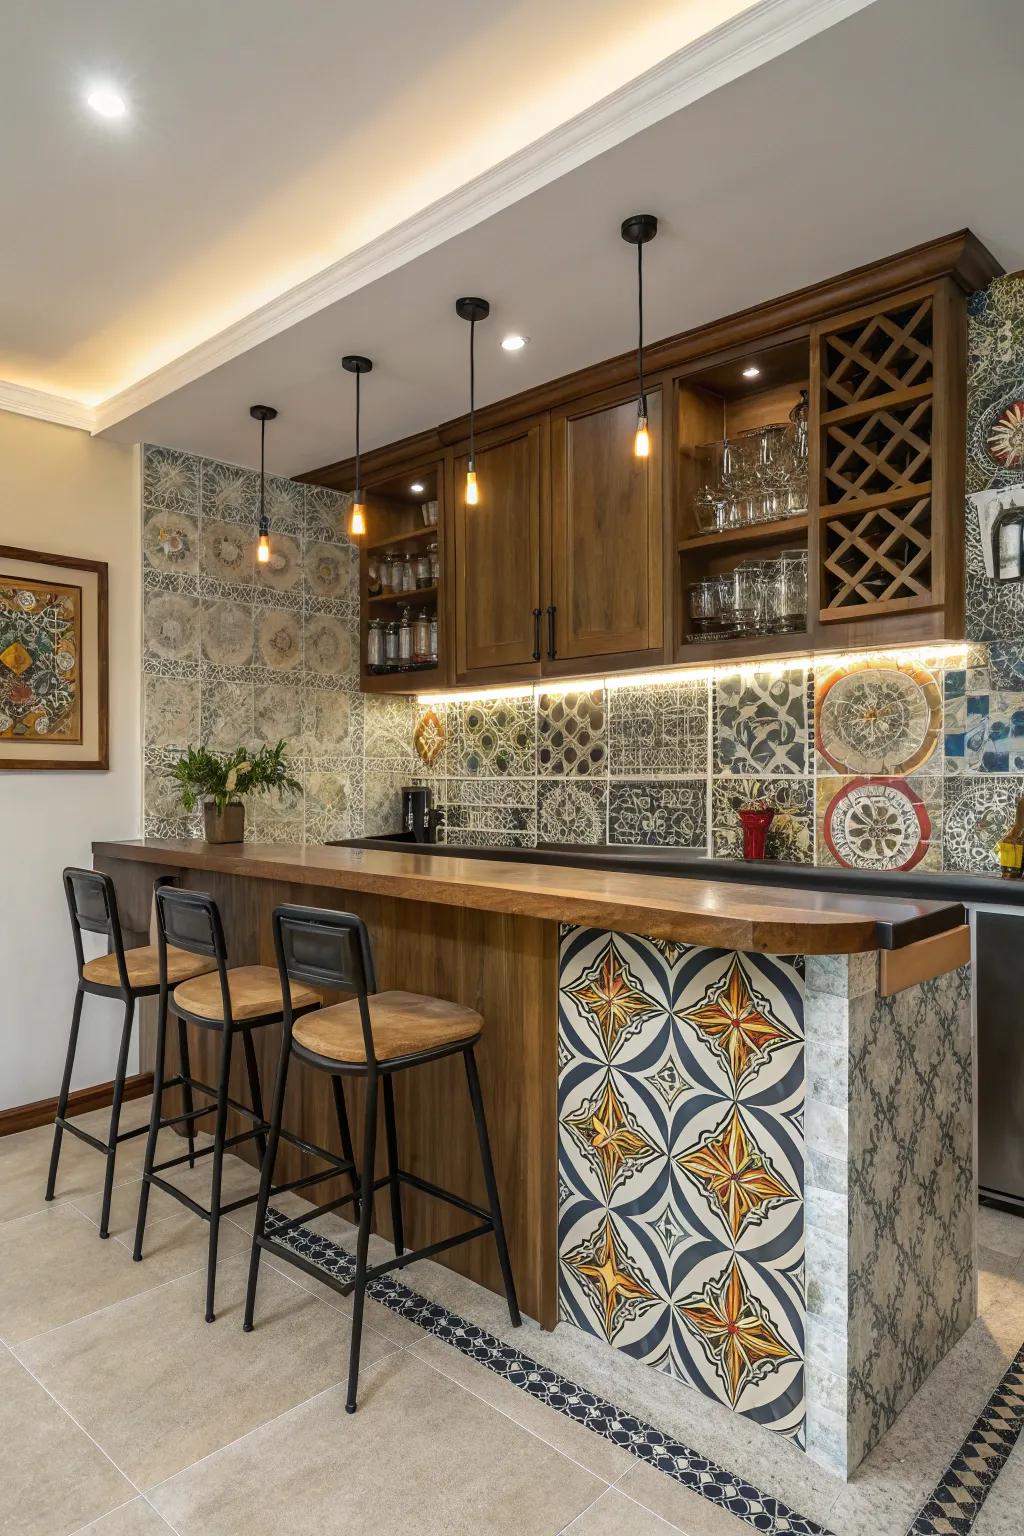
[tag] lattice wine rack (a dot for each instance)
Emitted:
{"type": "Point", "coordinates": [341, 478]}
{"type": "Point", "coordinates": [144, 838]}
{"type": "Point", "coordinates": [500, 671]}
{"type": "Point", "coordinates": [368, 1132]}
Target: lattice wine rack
{"type": "Point", "coordinates": [876, 453]}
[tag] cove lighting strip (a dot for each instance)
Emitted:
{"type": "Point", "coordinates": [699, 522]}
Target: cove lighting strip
{"type": "Point", "coordinates": [942, 653]}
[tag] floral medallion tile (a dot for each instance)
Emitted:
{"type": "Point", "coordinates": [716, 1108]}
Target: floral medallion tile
{"type": "Point", "coordinates": [382, 796]}
{"type": "Point", "coordinates": [227, 717]}
{"type": "Point", "coordinates": [658, 729]}
{"type": "Point", "coordinates": [227, 632]}
{"type": "Point", "coordinates": [170, 480]}
{"type": "Point", "coordinates": [279, 639]}
{"type": "Point", "coordinates": [284, 503]}
{"type": "Point", "coordinates": [332, 569]}
{"type": "Point", "coordinates": [429, 734]}
{"type": "Point", "coordinates": [572, 811]}
{"type": "Point", "coordinates": [490, 737]}
{"type": "Point", "coordinates": [572, 734]}
{"type": "Point", "coordinates": [277, 714]}
{"type": "Point", "coordinates": [329, 795]}
{"type": "Point", "coordinates": [791, 834]}
{"type": "Point", "coordinates": [658, 813]}
{"type": "Point", "coordinates": [171, 712]}
{"type": "Point", "coordinates": [995, 379]}
{"type": "Point", "coordinates": [984, 724]}
{"type": "Point", "coordinates": [283, 571]}
{"type": "Point", "coordinates": [230, 492]}
{"type": "Point", "coordinates": [228, 552]}
{"type": "Point", "coordinates": [330, 649]}
{"type": "Point", "coordinates": [171, 627]}
{"type": "Point", "coordinates": [170, 543]}
{"type": "Point", "coordinates": [978, 811]}
{"type": "Point", "coordinates": [880, 823]}
{"type": "Point", "coordinates": [327, 509]}
{"type": "Point", "coordinates": [876, 717]}
{"type": "Point", "coordinates": [332, 720]}
{"type": "Point", "coordinates": [389, 727]}
{"type": "Point", "coordinates": [762, 722]}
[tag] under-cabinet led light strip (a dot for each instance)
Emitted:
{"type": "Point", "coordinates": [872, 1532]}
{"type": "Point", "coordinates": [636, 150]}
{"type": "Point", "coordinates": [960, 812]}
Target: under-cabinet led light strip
{"type": "Point", "coordinates": [942, 653]}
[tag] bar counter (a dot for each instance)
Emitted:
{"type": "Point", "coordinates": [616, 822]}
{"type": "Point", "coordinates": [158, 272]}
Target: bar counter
{"type": "Point", "coordinates": [732, 1125]}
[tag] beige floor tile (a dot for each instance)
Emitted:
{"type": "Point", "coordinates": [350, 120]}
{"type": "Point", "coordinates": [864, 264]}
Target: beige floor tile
{"type": "Point", "coordinates": [593, 1452]}
{"type": "Point", "coordinates": [615, 1515]}
{"type": "Point", "coordinates": [159, 1388]}
{"type": "Point", "coordinates": [53, 1478]}
{"type": "Point", "coordinates": [678, 1505]}
{"type": "Point", "coordinates": [421, 1455]}
{"type": "Point", "coordinates": [1002, 1231]}
{"type": "Point", "coordinates": [124, 1207]}
{"type": "Point", "coordinates": [57, 1269]}
{"type": "Point", "coordinates": [135, 1519]}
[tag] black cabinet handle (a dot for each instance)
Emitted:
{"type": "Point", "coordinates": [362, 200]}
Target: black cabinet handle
{"type": "Point", "coordinates": [551, 631]}
{"type": "Point", "coordinates": [536, 634]}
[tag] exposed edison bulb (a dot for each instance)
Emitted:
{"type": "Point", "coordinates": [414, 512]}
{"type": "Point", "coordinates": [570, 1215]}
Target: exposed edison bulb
{"type": "Point", "coordinates": [642, 440]}
{"type": "Point", "coordinates": [357, 520]}
{"type": "Point", "coordinates": [263, 549]}
{"type": "Point", "coordinates": [472, 490]}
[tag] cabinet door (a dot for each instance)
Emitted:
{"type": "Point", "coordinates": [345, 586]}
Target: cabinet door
{"type": "Point", "coordinates": [497, 554]}
{"type": "Point", "coordinates": [606, 534]}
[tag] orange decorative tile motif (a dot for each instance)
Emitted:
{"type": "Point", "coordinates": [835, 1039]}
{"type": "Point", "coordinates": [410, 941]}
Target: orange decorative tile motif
{"type": "Point", "coordinates": [604, 1130]}
{"type": "Point", "coordinates": [612, 999]}
{"type": "Point", "coordinates": [428, 737]}
{"type": "Point", "coordinates": [738, 1023]}
{"type": "Point", "coordinates": [735, 1175]}
{"type": "Point", "coordinates": [735, 1331]}
{"type": "Point", "coordinates": [614, 1284]}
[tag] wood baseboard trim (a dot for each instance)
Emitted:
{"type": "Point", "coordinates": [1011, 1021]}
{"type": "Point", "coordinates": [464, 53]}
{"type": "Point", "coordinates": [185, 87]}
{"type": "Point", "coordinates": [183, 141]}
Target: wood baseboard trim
{"type": "Point", "coordinates": [24, 1117]}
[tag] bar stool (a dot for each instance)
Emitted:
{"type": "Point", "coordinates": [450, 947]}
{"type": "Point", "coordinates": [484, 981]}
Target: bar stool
{"type": "Point", "coordinates": [127, 974]}
{"type": "Point", "coordinates": [232, 1002]}
{"type": "Point", "coordinates": [372, 1035]}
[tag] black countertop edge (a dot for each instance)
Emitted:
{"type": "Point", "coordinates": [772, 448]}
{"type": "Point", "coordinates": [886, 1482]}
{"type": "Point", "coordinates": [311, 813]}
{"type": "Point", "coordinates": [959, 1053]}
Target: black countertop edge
{"type": "Point", "coordinates": [894, 932]}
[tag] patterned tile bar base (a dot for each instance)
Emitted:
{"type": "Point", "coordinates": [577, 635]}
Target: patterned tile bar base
{"type": "Point", "coordinates": [710, 1229]}
{"type": "Point", "coordinates": [702, 1476]}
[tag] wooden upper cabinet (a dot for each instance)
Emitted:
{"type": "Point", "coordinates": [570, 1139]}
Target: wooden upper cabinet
{"type": "Point", "coordinates": [496, 592]}
{"type": "Point", "coordinates": [605, 569]}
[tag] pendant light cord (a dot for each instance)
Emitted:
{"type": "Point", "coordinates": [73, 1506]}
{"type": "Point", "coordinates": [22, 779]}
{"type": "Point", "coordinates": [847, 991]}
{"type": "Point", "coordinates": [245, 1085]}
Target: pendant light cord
{"type": "Point", "coordinates": [640, 324]}
{"type": "Point", "coordinates": [358, 381]}
{"type": "Point", "coordinates": [263, 441]}
{"type": "Point", "coordinates": [472, 391]}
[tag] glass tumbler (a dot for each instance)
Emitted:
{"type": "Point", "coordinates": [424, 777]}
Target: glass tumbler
{"type": "Point", "coordinates": [704, 607]}
{"type": "Point", "coordinates": [789, 591]}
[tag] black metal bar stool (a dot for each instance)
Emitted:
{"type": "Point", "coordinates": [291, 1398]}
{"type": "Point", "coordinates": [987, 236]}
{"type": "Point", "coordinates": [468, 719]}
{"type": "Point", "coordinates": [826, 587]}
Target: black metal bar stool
{"type": "Point", "coordinates": [127, 974]}
{"type": "Point", "coordinates": [233, 1002]}
{"type": "Point", "coordinates": [372, 1035]}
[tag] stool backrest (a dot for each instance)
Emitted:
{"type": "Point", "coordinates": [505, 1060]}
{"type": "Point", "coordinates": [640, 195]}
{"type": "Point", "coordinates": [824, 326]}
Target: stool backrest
{"type": "Point", "coordinates": [191, 921]}
{"type": "Point", "coordinates": [92, 903]}
{"type": "Point", "coordinates": [326, 949]}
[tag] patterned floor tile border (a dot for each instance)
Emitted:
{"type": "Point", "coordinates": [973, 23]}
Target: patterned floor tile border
{"type": "Point", "coordinates": [961, 1491]}
{"type": "Point", "coordinates": [697, 1473]}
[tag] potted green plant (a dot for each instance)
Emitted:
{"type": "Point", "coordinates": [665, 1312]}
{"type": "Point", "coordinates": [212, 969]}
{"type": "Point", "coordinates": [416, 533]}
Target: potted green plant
{"type": "Point", "coordinates": [219, 780]}
{"type": "Point", "coordinates": [756, 815]}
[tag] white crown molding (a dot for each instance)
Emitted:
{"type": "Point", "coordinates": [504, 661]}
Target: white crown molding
{"type": "Point", "coordinates": [768, 29]}
{"type": "Point", "coordinates": [44, 407]}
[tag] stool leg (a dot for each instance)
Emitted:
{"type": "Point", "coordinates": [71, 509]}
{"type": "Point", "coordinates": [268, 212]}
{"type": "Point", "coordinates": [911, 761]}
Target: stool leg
{"type": "Point", "coordinates": [255, 1094]}
{"type": "Point", "coordinates": [396, 1188]}
{"type": "Point", "coordinates": [363, 1244]}
{"type": "Point", "coordinates": [65, 1089]}
{"type": "Point", "coordinates": [267, 1177]}
{"type": "Point", "coordinates": [186, 1090]}
{"type": "Point", "coordinates": [476, 1099]}
{"type": "Point", "coordinates": [218, 1164]}
{"type": "Point", "coordinates": [345, 1133]}
{"type": "Point", "coordinates": [115, 1114]}
{"type": "Point", "coordinates": [154, 1124]}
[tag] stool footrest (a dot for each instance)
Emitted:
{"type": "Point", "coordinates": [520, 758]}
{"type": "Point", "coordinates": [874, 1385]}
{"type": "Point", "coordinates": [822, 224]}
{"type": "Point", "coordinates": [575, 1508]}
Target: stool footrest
{"type": "Point", "coordinates": [229, 1141]}
{"type": "Point", "coordinates": [243, 1109]}
{"type": "Point", "coordinates": [346, 1287]}
{"type": "Point", "coordinates": [94, 1141]}
{"type": "Point", "coordinates": [440, 1194]}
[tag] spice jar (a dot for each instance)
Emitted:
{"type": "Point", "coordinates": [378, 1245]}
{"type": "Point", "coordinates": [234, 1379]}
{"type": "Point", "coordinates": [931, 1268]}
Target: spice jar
{"type": "Point", "coordinates": [404, 640]}
{"type": "Point", "coordinates": [421, 566]}
{"type": "Point", "coordinates": [433, 638]}
{"type": "Point", "coordinates": [421, 637]}
{"type": "Point", "coordinates": [391, 646]}
{"type": "Point", "coordinates": [408, 575]}
{"type": "Point", "coordinates": [386, 571]}
{"type": "Point", "coordinates": [374, 645]}
{"type": "Point", "coordinates": [434, 557]}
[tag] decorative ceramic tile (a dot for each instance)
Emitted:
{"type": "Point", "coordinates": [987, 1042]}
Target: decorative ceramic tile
{"type": "Point", "coordinates": [171, 627]}
{"type": "Point", "coordinates": [761, 722]}
{"type": "Point", "coordinates": [572, 734]}
{"type": "Point", "coordinates": [429, 735]}
{"type": "Point", "coordinates": [284, 503]}
{"type": "Point", "coordinates": [279, 639]}
{"type": "Point", "coordinates": [227, 632]}
{"type": "Point", "coordinates": [283, 571]}
{"type": "Point", "coordinates": [977, 813]}
{"type": "Point", "coordinates": [332, 569]}
{"type": "Point", "coordinates": [227, 717]}
{"type": "Point", "coordinates": [877, 717]}
{"type": "Point", "coordinates": [661, 812]}
{"type": "Point", "coordinates": [170, 480]}
{"type": "Point", "coordinates": [478, 806]}
{"type": "Point", "coordinates": [389, 728]}
{"type": "Point", "coordinates": [332, 720]}
{"type": "Point", "coordinates": [658, 729]}
{"type": "Point", "coordinates": [327, 509]}
{"type": "Point", "coordinates": [995, 382]}
{"type": "Point", "coordinates": [383, 781]}
{"type": "Point", "coordinates": [984, 724]}
{"type": "Point", "coordinates": [230, 492]}
{"type": "Point", "coordinates": [330, 646]}
{"type": "Point", "coordinates": [791, 834]}
{"type": "Point", "coordinates": [573, 811]}
{"type": "Point", "coordinates": [171, 711]}
{"type": "Point", "coordinates": [880, 823]}
{"type": "Point", "coordinates": [681, 1159]}
{"type": "Point", "coordinates": [491, 737]}
{"type": "Point", "coordinates": [228, 551]}
{"type": "Point", "coordinates": [277, 714]}
{"type": "Point", "coordinates": [170, 543]}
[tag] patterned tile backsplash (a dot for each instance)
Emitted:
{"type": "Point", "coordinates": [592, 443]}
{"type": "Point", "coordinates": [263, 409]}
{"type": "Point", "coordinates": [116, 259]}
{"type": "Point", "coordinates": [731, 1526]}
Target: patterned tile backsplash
{"type": "Point", "coordinates": [877, 763]}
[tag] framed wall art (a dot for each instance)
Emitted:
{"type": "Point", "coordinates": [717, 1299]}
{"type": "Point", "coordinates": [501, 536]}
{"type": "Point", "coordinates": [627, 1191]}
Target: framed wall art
{"type": "Point", "coordinates": [53, 661]}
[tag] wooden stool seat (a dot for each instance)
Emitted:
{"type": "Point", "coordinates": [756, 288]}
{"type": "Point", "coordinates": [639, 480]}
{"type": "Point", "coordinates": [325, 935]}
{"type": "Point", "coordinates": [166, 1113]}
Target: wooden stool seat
{"type": "Point", "coordinates": [403, 1023]}
{"type": "Point", "coordinates": [143, 967]}
{"type": "Point", "coordinates": [255, 992]}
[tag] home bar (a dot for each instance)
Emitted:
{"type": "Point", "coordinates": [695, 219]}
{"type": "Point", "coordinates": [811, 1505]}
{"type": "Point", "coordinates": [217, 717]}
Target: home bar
{"type": "Point", "coordinates": [512, 751]}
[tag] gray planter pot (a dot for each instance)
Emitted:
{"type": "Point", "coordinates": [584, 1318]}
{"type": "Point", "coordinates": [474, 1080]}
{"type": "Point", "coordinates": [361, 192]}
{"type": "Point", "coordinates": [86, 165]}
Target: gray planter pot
{"type": "Point", "coordinates": [226, 826]}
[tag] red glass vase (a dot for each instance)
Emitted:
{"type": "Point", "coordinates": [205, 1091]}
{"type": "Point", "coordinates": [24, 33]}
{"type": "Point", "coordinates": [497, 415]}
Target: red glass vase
{"type": "Point", "coordinates": [755, 832]}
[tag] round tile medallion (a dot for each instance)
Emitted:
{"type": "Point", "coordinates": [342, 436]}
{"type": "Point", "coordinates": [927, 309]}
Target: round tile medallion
{"type": "Point", "coordinates": [279, 636]}
{"type": "Point", "coordinates": [328, 645]}
{"type": "Point", "coordinates": [877, 824]}
{"type": "Point", "coordinates": [172, 625]}
{"type": "Point", "coordinates": [170, 540]}
{"type": "Point", "coordinates": [227, 632]}
{"type": "Point", "coordinates": [227, 551]}
{"type": "Point", "coordinates": [878, 719]}
{"type": "Point", "coordinates": [327, 569]}
{"type": "Point", "coordinates": [1004, 440]}
{"type": "Point", "coordinates": [284, 568]}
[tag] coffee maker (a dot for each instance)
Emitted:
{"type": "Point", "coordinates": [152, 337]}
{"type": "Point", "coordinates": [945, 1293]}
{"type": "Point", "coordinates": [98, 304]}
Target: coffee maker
{"type": "Point", "coordinates": [418, 813]}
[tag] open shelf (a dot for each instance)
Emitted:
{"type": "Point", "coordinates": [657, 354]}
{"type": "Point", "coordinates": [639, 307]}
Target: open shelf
{"type": "Point", "coordinates": [426, 534]}
{"type": "Point", "coordinates": [784, 530]}
{"type": "Point", "coordinates": [421, 594]}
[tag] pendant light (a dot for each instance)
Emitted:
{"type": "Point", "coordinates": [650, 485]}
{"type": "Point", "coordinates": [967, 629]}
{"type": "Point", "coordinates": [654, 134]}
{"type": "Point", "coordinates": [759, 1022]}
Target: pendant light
{"type": "Point", "coordinates": [637, 230]}
{"type": "Point", "coordinates": [472, 310]}
{"type": "Point", "coordinates": [353, 363]}
{"type": "Point", "coordinates": [263, 414]}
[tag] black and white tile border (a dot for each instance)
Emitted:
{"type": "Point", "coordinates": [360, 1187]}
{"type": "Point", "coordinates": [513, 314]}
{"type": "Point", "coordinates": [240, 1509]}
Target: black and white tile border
{"type": "Point", "coordinates": [704, 1477]}
{"type": "Point", "coordinates": [961, 1491]}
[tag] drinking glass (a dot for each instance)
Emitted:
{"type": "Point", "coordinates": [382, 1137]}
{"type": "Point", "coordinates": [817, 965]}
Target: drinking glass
{"type": "Point", "coordinates": [788, 592]}
{"type": "Point", "coordinates": [704, 606]}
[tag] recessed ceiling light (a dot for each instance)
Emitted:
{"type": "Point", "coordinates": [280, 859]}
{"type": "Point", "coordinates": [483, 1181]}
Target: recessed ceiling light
{"type": "Point", "coordinates": [107, 102]}
{"type": "Point", "coordinates": [416, 488]}
{"type": "Point", "coordinates": [513, 343]}
{"type": "Point", "coordinates": [752, 371]}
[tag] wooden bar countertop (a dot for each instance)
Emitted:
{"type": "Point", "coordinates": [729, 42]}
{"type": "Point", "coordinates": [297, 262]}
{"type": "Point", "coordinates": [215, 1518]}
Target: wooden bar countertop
{"type": "Point", "coordinates": [761, 919]}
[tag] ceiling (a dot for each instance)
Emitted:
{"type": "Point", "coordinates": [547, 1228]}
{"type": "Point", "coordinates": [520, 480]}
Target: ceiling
{"type": "Point", "coordinates": [778, 151]}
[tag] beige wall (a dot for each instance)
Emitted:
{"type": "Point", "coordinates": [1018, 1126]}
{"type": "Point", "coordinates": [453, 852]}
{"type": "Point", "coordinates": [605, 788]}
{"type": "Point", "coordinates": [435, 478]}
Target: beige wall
{"type": "Point", "coordinates": [63, 492]}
